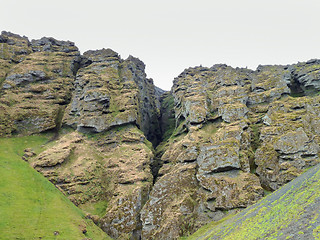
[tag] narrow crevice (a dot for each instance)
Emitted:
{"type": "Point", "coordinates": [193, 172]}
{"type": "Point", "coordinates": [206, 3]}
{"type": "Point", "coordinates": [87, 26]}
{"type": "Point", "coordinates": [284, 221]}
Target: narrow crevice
{"type": "Point", "coordinates": [167, 126]}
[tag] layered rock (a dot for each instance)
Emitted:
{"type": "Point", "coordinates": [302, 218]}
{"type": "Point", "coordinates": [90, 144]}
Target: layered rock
{"type": "Point", "coordinates": [237, 131]}
{"type": "Point", "coordinates": [289, 140]}
{"type": "Point", "coordinates": [211, 167]}
{"type": "Point", "coordinates": [109, 176]}
{"type": "Point", "coordinates": [171, 206]}
{"type": "Point", "coordinates": [112, 97]}
{"type": "Point", "coordinates": [292, 212]}
{"type": "Point", "coordinates": [37, 80]}
{"type": "Point", "coordinates": [223, 134]}
{"type": "Point", "coordinates": [113, 92]}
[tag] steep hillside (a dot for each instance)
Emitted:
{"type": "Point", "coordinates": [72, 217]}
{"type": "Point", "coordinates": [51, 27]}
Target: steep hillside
{"type": "Point", "coordinates": [31, 207]}
{"type": "Point", "coordinates": [148, 164]}
{"type": "Point", "coordinates": [292, 212]}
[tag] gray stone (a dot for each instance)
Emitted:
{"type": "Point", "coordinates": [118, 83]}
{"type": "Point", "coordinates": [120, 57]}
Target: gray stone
{"type": "Point", "coordinates": [218, 158]}
{"type": "Point", "coordinates": [18, 79]}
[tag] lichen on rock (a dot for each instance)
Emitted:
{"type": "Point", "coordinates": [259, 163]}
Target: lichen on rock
{"type": "Point", "coordinates": [35, 88]}
{"type": "Point", "coordinates": [240, 131]}
{"type": "Point", "coordinates": [113, 92]}
{"type": "Point", "coordinates": [149, 164]}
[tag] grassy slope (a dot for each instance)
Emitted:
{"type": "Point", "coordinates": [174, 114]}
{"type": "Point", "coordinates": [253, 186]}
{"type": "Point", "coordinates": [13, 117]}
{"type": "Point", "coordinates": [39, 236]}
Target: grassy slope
{"type": "Point", "coordinates": [30, 206]}
{"type": "Point", "coordinates": [292, 212]}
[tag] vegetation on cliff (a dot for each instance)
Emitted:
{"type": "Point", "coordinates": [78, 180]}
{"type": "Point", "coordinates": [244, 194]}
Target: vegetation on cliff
{"type": "Point", "coordinates": [148, 164]}
{"type": "Point", "coordinates": [292, 212]}
{"type": "Point", "coordinates": [31, 207]}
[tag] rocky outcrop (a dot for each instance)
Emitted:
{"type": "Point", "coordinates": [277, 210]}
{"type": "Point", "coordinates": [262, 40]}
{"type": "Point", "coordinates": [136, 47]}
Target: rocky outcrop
{"type": "Point", "coordinates": [170, 208]}
{"type": "Point", "coordinates": [150, 164]}
{"type": "Point", "coordinates": [109, 176]}
{"type": "Point", "coordinates": [36, 85]}
{"type": "Point", "coordinates": [45, 85]}
{"type": "Point", "coordinates": [213, 171]}
{"type": "Point", "coordinates": [292, 212]}
{"type": "Point", "coordinates": [289, 140]}
{"type": "Point", "coordinates": [305, 77]}
{"type": "Point", "coordinates": [113, 92]}
{"type": "Point", "coordinates": [237, 131]}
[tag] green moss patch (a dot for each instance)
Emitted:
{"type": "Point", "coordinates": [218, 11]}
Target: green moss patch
{"type": "Point", "coordinates": [292, 212]}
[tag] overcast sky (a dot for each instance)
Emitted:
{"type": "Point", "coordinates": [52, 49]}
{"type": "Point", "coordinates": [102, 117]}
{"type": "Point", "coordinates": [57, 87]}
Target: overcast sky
{"type": "Point", "coordinates": [169, 36]}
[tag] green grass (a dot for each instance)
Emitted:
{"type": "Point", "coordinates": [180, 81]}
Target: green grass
{"type": "Point", "coordinates": [97, 208]}
{"type": "Point", "coordinates": [291, 211]}
{"type": "Point", "coordinates": [30, 206]}
{"type": "Point", "coordinates": [203, 230]}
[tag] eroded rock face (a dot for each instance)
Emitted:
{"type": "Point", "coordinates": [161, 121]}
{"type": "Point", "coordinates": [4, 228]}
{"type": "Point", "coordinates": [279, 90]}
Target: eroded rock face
{"type": "Point", "coordinates": [170, 209]}
{"type": "Point", "coordinates": [306, 77]}
{"type": "Point", "coordinates": [211, 166]}
{"type": "Point", "coordinates": [113, 92]}
{"type": "Point", "coordinates": [223, 134]}
{"type": "Point", "coordinates": [291, 212]}
{"type": "Point", "coordinates": [109, 177]}
{"type": "Point", "coordinates": [35, 84]}
{"type": "Point", "coordinates": [239, 131]}
{"type": "Point", "coordinates": [289, 141]}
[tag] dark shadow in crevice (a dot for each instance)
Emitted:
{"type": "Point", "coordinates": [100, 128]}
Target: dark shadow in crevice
{"type": "Point", "coordinates": [296, 88]}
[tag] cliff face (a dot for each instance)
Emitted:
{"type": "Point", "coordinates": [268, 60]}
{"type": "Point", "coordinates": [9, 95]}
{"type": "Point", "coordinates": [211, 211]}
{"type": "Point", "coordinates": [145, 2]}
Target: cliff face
{"type": "Point", "coordinates": [51, 86]}
{"type": "Point", "coordinates": [150, 164]}
{"type": "Point", "coordinates": [36, 83]}
{"type": "Point", "coordinates": [237, 133]}
{"type": "Point", "coordinates": [113, 92]}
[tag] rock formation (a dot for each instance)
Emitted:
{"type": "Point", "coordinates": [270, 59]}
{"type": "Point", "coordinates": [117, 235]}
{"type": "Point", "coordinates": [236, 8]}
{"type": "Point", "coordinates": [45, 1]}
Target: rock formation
{"type": "Point", "coordinates": [36, 83]}
{"type": "Point", "coordinates": [113, 92]}
{"type": "Point", "coordinates": [292, 212]}
{"type": "Point", "coordinates": [237, 131]}
{"type": "Point", "coordinates": [145, 163]}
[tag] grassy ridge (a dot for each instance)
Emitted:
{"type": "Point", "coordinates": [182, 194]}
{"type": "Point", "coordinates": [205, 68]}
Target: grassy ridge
{"type": "Point", "coordinates": [30, 206]}
{"type": "Point", "coordinates": [292, 212]}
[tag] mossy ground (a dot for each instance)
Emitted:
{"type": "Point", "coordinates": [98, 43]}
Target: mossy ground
{"type": "Point", "coordinates": [203, 230]}
{"type": "Point", "coordinates": [98, 208]}
{"type": "Point", "coordinates": [289, 213]}
{"type": "Point", "coordinates": [31, 207]}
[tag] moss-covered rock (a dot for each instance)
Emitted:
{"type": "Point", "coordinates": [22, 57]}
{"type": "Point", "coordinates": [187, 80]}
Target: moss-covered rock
{"type": "Point", "coordinates": [292, 212]}
{"type": "Point", "coordinates": [171, 210]}
{"type": "Point", "coordinates": [36, 88]}
{"type": "Point", "coordinates": [289, 143]}
{"type": "Point", "coordinates": [221, 134]}
{"type": "Point", "coordinates": [110, 171]}
{"type": "Point", "coordinates": [112, 92]}
{"type": "Point", "coordinates": [241, 132]}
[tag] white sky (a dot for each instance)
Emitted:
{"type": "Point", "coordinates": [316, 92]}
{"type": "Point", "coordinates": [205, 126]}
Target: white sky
{"type": "Point", "coordinates": [169, 36]}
